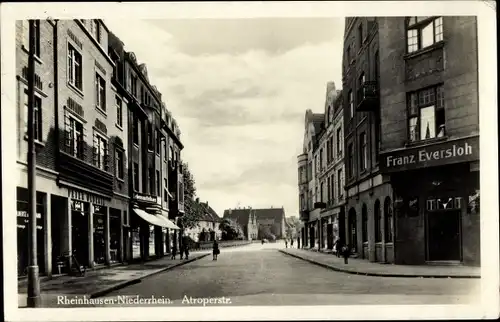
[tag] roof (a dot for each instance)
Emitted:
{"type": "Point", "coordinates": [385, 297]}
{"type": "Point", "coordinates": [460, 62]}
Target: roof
{"type": "Point", "coordinates": [210, 214]}
{"type": "Point", "coordinates": [270, 213]}
{"type": "Point", "coordinates": [239, 215]}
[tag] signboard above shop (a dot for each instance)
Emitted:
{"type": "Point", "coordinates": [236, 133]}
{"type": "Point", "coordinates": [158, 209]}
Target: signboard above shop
{"type": "Point", "coordinates": [438, 154]}
{"type": "Point", "coordinates": [81, 195]}
{"type": "Point", "coordinates": [145, 198]}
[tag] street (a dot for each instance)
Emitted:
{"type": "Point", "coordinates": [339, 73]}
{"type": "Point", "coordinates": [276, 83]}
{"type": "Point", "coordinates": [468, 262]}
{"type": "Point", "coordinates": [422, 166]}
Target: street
{"type": "Point", "coordinates": [260, 275]}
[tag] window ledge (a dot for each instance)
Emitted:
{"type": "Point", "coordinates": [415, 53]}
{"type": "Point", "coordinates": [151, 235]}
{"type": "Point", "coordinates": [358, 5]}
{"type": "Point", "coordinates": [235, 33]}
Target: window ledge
{"type": "Point", "coordinates": [101, 111]}
{"type": "Point", "coordinates": [75, 89]}
{"type": "Point", "coordinates": [119, 127]}
{"type": "Point", "coordinates": [425, 142]}
{"type": "Point", "coordinates": [37, 58]}
{"type": "Point", "coordinates": [37, 143]}
{"type": "Point", "coordinates": [425, 50]}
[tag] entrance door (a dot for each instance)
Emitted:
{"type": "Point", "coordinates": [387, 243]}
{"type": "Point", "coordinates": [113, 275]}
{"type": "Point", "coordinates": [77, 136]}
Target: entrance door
{"type": "Point", "coordinates": [80, 236]}
{"type": "Point", "coordinates": [443, 229]}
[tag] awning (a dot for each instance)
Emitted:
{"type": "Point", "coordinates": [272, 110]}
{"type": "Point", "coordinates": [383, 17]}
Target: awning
{"type": "Point", "coordinates": [155, 220]}
{"type": "Point", "coordinates": [169, 224]}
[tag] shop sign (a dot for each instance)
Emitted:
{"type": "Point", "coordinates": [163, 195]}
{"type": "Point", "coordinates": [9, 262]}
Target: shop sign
{"type": "Point", "coordinates": [85, 196]}
{"type": "Point", "coordinates": [463, 150]}
{"type": "Point", "coordinates": [23, 220]}
{"type": "Point", "coordinates": [144, 197]}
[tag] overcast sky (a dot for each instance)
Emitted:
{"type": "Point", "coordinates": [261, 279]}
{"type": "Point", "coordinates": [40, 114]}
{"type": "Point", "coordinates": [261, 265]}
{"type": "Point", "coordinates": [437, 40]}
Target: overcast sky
{"type": "Point", "coordinates": [239, 89]}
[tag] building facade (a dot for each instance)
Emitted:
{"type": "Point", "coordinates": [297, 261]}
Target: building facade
{"type": "Point", "coordinates": [369, 223]}
{"type": "Point", "coordinates": [246, 218]}
{"type": "Point", "coordinates": [85, 147]}
{"type": "Point", "coordinates": [208, 227]}
{"type": "Point", "coordinates": [321, 171]}
{"type": "Point", "coordinates": [271, 222]}
{"type": "Point", "coordinates": [153, 162]}
{"type": "Point", "coordinates": [430, 136]}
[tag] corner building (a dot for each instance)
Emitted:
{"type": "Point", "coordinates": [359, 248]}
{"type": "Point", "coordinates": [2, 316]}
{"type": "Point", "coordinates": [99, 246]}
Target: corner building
{"type": "Point", "coordinates": [369, 224]}
{"type": "Point", "coordinates": [430, 136]}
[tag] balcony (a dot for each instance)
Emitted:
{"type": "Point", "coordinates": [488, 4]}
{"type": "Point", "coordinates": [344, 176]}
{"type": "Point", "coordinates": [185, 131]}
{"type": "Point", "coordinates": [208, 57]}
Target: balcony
{"type": "Point", "coordinates": [319, 205]}
{"type": "Point", "coordinates": [304, 215]}
{"type": "Point", "coordinates": [367, 97]}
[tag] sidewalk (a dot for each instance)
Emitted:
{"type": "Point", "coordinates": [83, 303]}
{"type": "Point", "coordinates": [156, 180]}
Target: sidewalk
{"type": "Point", "coordinates": [97, 283]}
{"type": "Point", "coordinates": [364, 267]}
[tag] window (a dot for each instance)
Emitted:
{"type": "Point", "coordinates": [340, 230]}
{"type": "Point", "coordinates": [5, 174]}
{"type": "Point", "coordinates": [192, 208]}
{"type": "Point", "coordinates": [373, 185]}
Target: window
{"type": "Point", "coordinates": [100, 92]}
{"type": "Point", "coordinates": [119, 164]}
{"type": "Point", "coordinates": [119, 111]}
{"type": "Point", "coordinates": [388, 220]}
{"type": "Point", "coordinates": [328, 152]}
{"type": "Point", "coordinates": [100, 152]}
{"type": "Point", "coordinates": [26, 39]}
{"type": "Point", "coordinates": [363, 148]}
{"type": "Point", "coordinates": [74, 138]}
{"type": "Point", "coordinates": [37, 116]}
{"type": "Point", "coordinates": [74, 67]}
{"type": "Point", "coordinates": [150, 137]}
{"type": "Point", "coordinates": [133, 84]}
{"type": "Point", "coordinates": [158, 142]}
{"type": "Point", "coordinates": [151, 180]}
{"type": "Point", "coordinates": [158, 183]}
{"type": "Point", "coordinates": [135, 129]}
{"type": "Point", "coordinates": [181, 192]}
{"type": "Point", "coordinates": [350, 158]}
{"type": "Point", "coordinates": [322, 190]}
{"type": "Point", "coordinates": [171, 154]}
{"type": "Point", "coordinates": [348, 54]}
{"type": "Point", "coordinates": [378, 139]}
{"type": "Point", "coordinates": [95, 30]}
{"type": "Point", "coordinates": [360, 36]}
{"type": "Point", "coordinates": [364, 215]}
{"type": "Point", "coordinates": [423, 32]}
{"type": "Point", "coordinates": [339, 141]}
{"type": "Point", "coordinates": [426, 119]}
{"type": "Point", "coordinates": [165, 153]}
{"type": "Point", "coordinates": [351, 104]}
{"type": "Point", "coordinates": [378, 223]}
{"type": "Point", "coordinates": [321, 159]}
{"type": "Point", "coordinates": [136, 176]}
{"type": "Point", "coordinates": [340, 186]}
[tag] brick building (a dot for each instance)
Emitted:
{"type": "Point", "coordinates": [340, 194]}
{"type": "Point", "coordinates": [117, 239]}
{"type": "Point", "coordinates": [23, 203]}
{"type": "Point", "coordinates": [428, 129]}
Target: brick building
{"type": "Point", "coordinates": [246, 219]}
{"type": "Point", "coordinates": [430, 136]}
{"type": "Point", "coordinates": [155, 171]}
{"type": "Point", "coordinates": [368, 199]}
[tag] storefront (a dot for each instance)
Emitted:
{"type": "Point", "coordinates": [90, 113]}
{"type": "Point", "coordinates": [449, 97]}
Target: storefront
{"type": "Point", "coordinates": [23, 231]}
{"type": "Point", "coordinates": [434, 188]}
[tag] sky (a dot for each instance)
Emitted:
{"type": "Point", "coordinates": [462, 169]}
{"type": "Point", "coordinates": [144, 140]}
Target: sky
{"type": "Point", "coordinates": [239, 89]}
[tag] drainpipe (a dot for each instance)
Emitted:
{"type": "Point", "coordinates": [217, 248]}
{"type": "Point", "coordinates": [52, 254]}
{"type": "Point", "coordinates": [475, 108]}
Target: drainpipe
{"type": "Point", "coordinates": [56, 91]}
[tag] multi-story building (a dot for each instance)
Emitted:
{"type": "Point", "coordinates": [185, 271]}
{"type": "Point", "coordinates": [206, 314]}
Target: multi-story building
{"type": "Point", "coordinates": [246, 219]}
{"type": "Point", "coordinates": [153, 162]}
{"type": "Point", "coordinates": [325, 223]}
{"type": "Point", "coordinates": [307, 178]}
{"type": "Point", "coordinates": [368, 192]}
{"type": "Point", "coordinates": [208, 225]}
{"type": "Point", "coordinates": [430, 136]}
{"type": "Point", "coordinates": [270, 221]}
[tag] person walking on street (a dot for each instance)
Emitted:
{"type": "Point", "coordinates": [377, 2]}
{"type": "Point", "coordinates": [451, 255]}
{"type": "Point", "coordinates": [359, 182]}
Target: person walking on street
{"type": "Point", "coordinates": [298, 242]}
{"type": "Point", "coordinates": [186, 251]}
{"type": "Point", "coordinates": [174, 252]}
{"type": "Point", "coordinates": [215, 250]}
{"type": "Point", "coordinates": [338, 247]}
{"type": "Point", "coordinates": [346, 252]}
{"type": "Point", "coordinates": [286, 243]}
{"type": "Point", "coordinates": [291, 242]}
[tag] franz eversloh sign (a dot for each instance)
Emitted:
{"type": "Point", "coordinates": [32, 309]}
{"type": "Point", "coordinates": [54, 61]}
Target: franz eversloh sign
{"type": "Point", "coordinates": [463, 150]}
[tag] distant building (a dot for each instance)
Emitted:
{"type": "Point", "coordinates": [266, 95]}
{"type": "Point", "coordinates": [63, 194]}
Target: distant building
{"type": "Point", "coordinates": [271, 220]}
{"type": "Point", "coordinates": [208, 226]}
{"type": "Point", "coordinates": [246, 218]}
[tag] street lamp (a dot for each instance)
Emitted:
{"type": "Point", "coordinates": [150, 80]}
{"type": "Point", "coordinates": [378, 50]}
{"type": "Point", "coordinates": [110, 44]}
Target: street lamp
{"type": "Point", "coordinates": [33, 276]}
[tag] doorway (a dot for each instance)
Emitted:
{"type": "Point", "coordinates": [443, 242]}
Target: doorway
{"type": "Point", "coordinates": [443, 235]}
{"type": "Point", "coordinates": [353, 240]}
{"type": "Point", "coordinates": [80, 232]}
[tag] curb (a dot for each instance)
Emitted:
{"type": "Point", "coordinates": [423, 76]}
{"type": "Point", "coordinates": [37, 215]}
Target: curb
{"type": "Point", "coordinates": [349, 271]}
{"type": "Point", "coordinates": [138, 280]}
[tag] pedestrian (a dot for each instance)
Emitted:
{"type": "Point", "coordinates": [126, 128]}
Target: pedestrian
{"type": "Point", "coordinates": [291, 242]}
{"type": "Point", "coordinates": [215, 250]}
{"type": "Point", "coordinates": [298, 242]}
{"type": "Point", "coordinates": [346, 252]}
{"type": "Point", "coordinates": [181, 251]}
{"type": "Point", "coordinates": [338, 248]}
{"type": "Point", "coordinates": [186, 251]}
{"type": "Point", "coordinates": [174, 252]}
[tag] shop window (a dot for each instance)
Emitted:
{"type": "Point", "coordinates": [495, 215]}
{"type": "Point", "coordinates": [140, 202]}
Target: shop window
{"type": "Point", "coordinates": [378, 222]}
{"type": "Point", "coordinates": [388, 220]}
{"type": "Point", "coordinates": [422, 32]}
{"type": "Point", "coordinates": [37, 116]}
{"type": "Point", "coordinates": [426, 115]}
{"type": "Point", "coordinates": [99, 225]}
{"type": "Point", "coordinates": [364, 215]}
{"type": "Point", "coordinates": [74, 137]}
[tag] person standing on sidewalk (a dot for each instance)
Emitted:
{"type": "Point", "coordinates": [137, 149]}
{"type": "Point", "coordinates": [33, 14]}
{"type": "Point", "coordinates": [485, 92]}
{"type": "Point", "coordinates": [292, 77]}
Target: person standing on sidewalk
{"type": "Point", "coordinates": [186, 251]}
{"type": "Point", "coordinates": [174, 252]}
{"type": "Point", "coordinates": [298, 242]}
{"type": "Point", "coordinates": [346, 251]}
{"type": "Point", "coordinates": [286, 243]}
{"type": "Point", "coordinates": [215, 250]}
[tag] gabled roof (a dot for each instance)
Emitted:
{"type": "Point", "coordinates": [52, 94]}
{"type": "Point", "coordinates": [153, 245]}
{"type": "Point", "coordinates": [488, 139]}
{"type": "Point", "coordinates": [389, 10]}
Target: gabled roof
{"type": "Point", "coordinates": [210, 214]}
{"type": "Point", "coordinates": [239, 215]}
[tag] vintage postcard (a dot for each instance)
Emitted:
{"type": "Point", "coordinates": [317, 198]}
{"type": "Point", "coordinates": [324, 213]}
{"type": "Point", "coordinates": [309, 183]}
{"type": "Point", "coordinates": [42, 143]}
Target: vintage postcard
{"type": "Point", "coordinates": [250, 161]}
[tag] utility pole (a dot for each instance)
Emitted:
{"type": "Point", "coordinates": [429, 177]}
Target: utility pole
{"type": "Point", "coordinates": [33, 276]}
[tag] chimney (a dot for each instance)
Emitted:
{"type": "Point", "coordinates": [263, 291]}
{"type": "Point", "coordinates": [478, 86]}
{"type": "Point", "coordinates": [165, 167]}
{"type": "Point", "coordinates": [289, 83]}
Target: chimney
{"type": "Point", "coordinates": [197, 200]}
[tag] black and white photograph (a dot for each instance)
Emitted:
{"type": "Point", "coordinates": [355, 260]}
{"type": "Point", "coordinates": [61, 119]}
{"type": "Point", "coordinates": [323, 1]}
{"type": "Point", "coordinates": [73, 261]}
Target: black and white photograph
{"type": "Point", "coordinates": [250, 160]}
